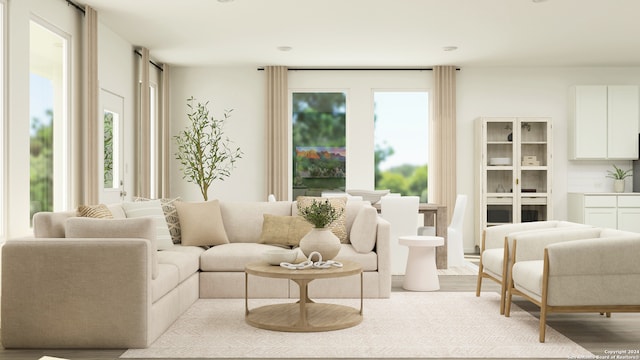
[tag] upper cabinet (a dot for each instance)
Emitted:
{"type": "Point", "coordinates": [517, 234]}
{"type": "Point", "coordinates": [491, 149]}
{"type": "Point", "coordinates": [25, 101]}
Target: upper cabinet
{"type": "Point", "coordinates": [605, 122]}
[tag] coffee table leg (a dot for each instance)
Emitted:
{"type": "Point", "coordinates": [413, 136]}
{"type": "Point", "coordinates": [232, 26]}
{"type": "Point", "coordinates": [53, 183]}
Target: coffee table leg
{"type": "Point", "coordinates": [303, 284]}
{"type": "Point", "coordinates": [246, 294]}
{"type": "Point", "coordinates": [361, 292]}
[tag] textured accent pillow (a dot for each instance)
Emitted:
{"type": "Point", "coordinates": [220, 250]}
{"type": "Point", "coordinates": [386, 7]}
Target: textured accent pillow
{"type": "Point", "coordinates": [283, 230]}
{"type": "Point", "coordinates": [141, 228]}
{"type": "Point", "coordinates": [338, 227]}
{"type": "Point", "coordinates": [152, 209]}
{"type": "Point", "coordinates": [170, 215]}
{"type": "Point", "coordinates": [100, 211]}
{"type": "Point", "coordinates": [364, 230]}
{"type": "Point", "coordinates": [201, 223]}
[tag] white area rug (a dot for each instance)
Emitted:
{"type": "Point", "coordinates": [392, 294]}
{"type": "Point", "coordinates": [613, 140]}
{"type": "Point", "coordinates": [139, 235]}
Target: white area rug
{"type": "Point", "coordinates": [408, 325]}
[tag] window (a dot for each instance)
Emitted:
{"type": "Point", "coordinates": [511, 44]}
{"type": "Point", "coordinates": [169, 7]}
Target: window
{"type": "Point", "coordinates": [319, 142]}
{"type": "Point", "coordinates": [48, 119]}
{"type": "Point", "coordinates": [401, 142]}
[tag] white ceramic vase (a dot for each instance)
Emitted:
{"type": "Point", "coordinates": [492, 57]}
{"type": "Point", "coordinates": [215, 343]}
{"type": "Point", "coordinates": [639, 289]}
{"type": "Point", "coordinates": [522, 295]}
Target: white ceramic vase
{"type": "Point", "coordinates": [321, 240]}
{"type": "Point", "coordinates": [618, 185]}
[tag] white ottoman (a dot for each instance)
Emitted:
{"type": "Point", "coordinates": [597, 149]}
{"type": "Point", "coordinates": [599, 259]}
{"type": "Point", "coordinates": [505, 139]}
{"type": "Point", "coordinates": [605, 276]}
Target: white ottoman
{"type": "Point", "coordinates": [421, 273]}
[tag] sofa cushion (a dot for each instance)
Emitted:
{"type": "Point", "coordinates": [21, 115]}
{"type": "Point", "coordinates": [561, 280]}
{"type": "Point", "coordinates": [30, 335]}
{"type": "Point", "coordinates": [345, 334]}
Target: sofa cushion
{"type": "Point", "coordinates": [283, 230]}
{"type": "Point", "coordinates": [368, 261]}
{"type": "Point", "coordinates": [167, 280]}
{"type": "Point", "coordinates": [493, 261]}
{"type": "Point", "coordinates": [201, 223]}
{"type": "Point", "coordinates": [339, 226]}
{"type": "Point", "coordinates": [527, 277]}
{"type": "Point", "coordinates": [151, 209]}
{"type": "Point", "coordinates": [170, 215]}
{"type": "Point", "coordinates": [364, 229]}
{"type": "Point", "coordinates": [187, 263]}
{"type": "Point", "coordinates": [243, 220]}
{"type": "Point", "coordinates": [142, 228]}
{"type": "Point", "coordinates": [100, 211]}
{"type": "Point", "coordinates": [233, 256]}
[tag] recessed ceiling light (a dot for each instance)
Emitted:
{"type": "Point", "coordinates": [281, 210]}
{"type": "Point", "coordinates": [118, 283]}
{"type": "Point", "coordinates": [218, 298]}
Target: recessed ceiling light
{"type": "Point", "coordinates": [450, 48]}
{"type": "Point", "coordinates": [225, 1]}
{"type": "Point", "coordinates": [284, 48]}
{"type": "Point", "coordinates": [538, 1]}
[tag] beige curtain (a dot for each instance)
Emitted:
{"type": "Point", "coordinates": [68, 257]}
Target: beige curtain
{"type": "Point", "coordinates": [165, 141]}
{"type": "Point", "coordinates": [443, 161]}
{"type": "Point", "coordinates": [142, 188]}
{"type": "Point", "coordinates": [90, 181]}
{"type": "Point", "coordinates": [277, 137]}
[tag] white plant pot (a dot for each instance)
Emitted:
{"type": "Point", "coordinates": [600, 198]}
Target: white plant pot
{"type": "Point", "coordinates": [321, 240]}
{"type": "Point", "coordinates": [618, 185]}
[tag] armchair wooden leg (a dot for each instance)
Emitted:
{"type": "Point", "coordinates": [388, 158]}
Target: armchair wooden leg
{"type": "Point", "coordinates": [503, 295]}
{"type": "Point", "coordinates": [543, 322]}
{"type": "Point", "coordinates": [507, 305]}
{"type": "Point", "coordinates": [479, 284]}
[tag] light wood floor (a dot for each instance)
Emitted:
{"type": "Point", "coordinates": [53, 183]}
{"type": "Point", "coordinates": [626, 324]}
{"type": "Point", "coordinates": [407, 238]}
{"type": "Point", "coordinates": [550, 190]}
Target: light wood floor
{"type": "Point", "coordinates": [596, 333]}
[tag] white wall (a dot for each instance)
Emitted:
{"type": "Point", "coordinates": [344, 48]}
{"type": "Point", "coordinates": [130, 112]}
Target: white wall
{"type": "Point", "coordinates": [480, 92]}
{"type": "Point", "coordinates": [241, 89]}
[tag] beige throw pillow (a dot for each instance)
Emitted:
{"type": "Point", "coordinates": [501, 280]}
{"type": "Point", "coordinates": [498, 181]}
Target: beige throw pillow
{"type": "Point", "coordinates": [171, 216]}
{"type": "Point", "coordinates": [140, 228]}
{"type": "Point", "coordinates": [364, 230]}
{"type": "Point", "coordinates": [100, 211]}
{"type": "Point", "coordinates": [152, 209]}
{"type": "Point", "coordinates": [201, 223]}
{"type": "Point", "coordinates": [283, 230]}
{"type": "Point", "coordinates": [338, 227]}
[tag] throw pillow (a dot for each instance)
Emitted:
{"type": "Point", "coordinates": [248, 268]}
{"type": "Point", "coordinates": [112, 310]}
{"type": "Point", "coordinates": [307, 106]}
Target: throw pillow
{"type": "Point", "coordinates": [201, 223]}
{"type": "Point", "coordinates": [364, 230]}
{"type": "Point", "coordinates": [152, 209]}
{"type": "Point", "coordinates": [170, 215]}
{"type": "Point", "coordinates": [338, 227]}
{"type": "Point", "coordinates": [142, 228]}
{"type": "Point", "coordinates": [283, 230]}
{"type": "Point", "coordinates": [100, 211]}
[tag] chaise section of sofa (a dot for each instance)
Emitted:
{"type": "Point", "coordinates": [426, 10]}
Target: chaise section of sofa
{"type": "Point", "coordinates": [99, 291]}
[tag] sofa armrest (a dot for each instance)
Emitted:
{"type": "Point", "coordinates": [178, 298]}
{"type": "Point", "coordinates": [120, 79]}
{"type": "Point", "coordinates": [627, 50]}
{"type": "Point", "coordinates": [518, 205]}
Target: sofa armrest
{"type": "Point", "coordinates": [76, 293]}
{"type": "Point", "coordinates": [602, 271]}
{"type": "Point", "coordinates": [383, 251]}
{"type": "Point", "coordinates": [530, 245]}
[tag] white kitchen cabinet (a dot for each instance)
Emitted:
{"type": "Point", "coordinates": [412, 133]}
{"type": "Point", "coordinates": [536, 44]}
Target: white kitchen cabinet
{"type": "Point", "coordinates": [605, 122]}
{"type": "Point", "coordinates": [615, 211]}
{"type": "Point", "coordinates": [514, 164]}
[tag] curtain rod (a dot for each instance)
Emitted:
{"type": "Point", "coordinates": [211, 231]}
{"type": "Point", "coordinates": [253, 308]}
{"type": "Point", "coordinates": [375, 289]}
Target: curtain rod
{"type": "Point", "coordinates": [159, 67]}
{"type": "Point", "coordinates": [358, 69]}
{"type": "Point", "coordinates": [78, 7]}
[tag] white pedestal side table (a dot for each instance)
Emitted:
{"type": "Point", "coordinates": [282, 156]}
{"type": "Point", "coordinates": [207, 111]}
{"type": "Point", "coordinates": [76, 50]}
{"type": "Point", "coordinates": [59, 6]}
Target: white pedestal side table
{"type": "Point", "coordinates": [421, 273]}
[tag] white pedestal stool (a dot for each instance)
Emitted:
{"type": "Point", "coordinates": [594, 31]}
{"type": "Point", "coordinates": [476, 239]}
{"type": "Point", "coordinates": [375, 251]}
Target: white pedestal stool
{"type": "Point", "coordinates": [421, 273]}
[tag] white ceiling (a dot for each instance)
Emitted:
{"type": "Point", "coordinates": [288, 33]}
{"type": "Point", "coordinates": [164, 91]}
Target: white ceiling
{"type": "Point", "coordinates": [380, 33]}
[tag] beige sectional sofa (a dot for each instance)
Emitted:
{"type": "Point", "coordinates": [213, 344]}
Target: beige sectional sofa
{"type": "Point", "coordinates": [78, 283]}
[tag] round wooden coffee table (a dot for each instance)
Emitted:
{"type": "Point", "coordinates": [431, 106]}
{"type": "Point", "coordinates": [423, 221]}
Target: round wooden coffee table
{"type": "Point", "coordinates": [305, 315]}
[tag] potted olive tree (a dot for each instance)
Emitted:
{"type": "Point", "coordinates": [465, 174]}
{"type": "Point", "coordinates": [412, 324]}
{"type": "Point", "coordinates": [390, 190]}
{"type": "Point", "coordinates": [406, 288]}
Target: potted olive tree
{"type": "Point", "coordinates": [204, 152]}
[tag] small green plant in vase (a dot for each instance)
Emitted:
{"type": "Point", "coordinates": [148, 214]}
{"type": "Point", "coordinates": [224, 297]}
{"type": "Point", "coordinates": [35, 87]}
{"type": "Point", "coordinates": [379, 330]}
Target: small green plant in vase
{"type": "Point", "coordinates": [320, 214]}
{"type": "Point", "coordinates": [618, 175]}
{"type": "Point", "coordinates": [320, 239]}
